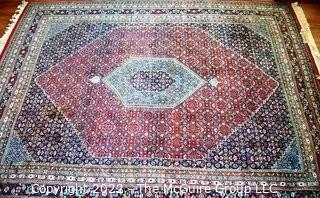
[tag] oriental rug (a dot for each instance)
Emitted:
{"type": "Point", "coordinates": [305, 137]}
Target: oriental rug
{"type": "Point", "coordinates": [158, 99]}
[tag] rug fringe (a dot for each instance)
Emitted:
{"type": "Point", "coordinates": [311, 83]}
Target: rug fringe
{"type": "Point", "coordinates": [307, 35]}
{"type": "Point", "coordinates": [11, 25]}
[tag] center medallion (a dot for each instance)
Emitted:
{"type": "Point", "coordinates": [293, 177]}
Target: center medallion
{"type": "Point", "coordinates": [153, 82]}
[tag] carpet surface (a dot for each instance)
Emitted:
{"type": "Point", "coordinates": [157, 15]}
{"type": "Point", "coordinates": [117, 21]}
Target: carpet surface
{"type": "Point", "coordinates": [201, 95]}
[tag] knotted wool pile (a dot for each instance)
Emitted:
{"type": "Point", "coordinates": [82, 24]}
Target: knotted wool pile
{"type": "Point", "coordinates": [161, 93]}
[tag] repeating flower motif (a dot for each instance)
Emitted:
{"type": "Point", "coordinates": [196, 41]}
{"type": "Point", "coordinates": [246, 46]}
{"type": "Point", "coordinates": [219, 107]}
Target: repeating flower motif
{"type": "Point", "coordinates": [151, 81]}
{"type": "Point", "coordinates": [238, 118]}
{"type": "Point", "coordinates": [188, 130]}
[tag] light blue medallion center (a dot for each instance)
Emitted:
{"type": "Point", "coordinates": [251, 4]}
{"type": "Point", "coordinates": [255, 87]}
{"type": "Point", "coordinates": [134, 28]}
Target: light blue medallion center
{"type": "Point", "coordinates": [153, 82]}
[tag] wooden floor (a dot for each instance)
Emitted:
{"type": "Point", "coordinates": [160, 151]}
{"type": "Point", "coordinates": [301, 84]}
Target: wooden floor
{"type": "Point", "coordinates": [312, 12]}
{"type": "Point", "coordinates": [7, 9]}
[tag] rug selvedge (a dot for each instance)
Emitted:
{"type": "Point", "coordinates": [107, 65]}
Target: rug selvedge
{"type": "Point", "coordinates": [62, 135]}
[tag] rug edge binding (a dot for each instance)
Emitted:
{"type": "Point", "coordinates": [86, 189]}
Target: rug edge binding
{"type": "Point", "coordinates": [307, 35]}
{"type": "Point", "coordinates": [12, 23]}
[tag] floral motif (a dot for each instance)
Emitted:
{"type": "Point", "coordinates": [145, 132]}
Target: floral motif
{"type": "Point", "coordinates": [187, 131]}
{"type": "Point", "coordinates": [246, 112]}
{"type": "Point", "coordinates": [151, 80]}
